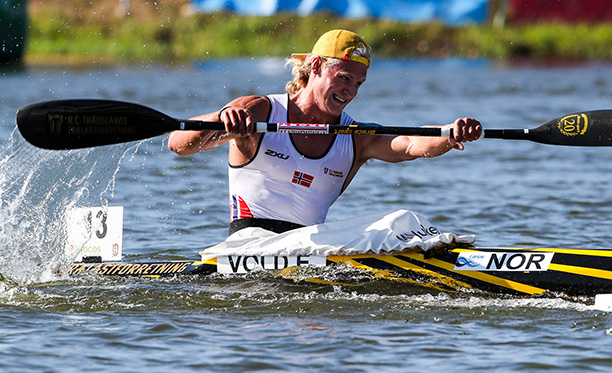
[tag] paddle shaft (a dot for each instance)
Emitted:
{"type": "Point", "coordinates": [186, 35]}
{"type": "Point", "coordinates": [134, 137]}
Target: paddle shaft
{"type": "Point", "coordinates": [322, 129]}
{"type": "Point", "coordinates": [73, 124]}
{"type": "Point", "coordinates": [358, 129]}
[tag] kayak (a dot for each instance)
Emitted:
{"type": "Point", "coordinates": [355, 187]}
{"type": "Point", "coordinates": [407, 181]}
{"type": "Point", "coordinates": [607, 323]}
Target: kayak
{"type": "Point", "coordinates": [508, 270]}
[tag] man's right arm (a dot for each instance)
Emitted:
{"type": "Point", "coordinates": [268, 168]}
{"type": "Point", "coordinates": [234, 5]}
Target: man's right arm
{"type": "Point", "coordinates": [239, 117]}
{"type": "Point", "coordinates": [191, 142]}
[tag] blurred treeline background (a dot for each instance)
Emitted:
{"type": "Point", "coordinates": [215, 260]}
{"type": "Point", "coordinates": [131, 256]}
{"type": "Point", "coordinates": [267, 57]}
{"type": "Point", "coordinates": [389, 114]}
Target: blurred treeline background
{"type": "Point", "coordinates": [108, 31]}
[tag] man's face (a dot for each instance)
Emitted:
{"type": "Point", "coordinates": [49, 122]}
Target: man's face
{"type": "Point", "coordinates": [337, 85]}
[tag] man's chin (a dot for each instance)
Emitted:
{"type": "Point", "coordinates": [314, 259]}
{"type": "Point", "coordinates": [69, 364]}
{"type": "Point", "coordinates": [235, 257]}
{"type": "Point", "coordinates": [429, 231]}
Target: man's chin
{"type": "Point", "coordinates": [337, 109]}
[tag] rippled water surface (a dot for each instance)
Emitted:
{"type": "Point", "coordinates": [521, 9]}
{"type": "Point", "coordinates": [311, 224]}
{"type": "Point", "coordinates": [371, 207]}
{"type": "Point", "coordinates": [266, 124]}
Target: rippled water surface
{"type": "Point", "coordinates": [505, 192]}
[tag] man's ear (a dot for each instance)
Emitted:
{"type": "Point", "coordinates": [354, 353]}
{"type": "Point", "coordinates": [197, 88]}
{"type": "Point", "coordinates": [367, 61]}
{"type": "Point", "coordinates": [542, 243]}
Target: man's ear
{"type": "Point", "coordinates": [317, 65]}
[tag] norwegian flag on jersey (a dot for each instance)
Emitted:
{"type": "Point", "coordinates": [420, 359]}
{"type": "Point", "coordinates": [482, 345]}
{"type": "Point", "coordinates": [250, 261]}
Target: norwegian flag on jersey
{"type": "Point", "coordinates": [302, 179]}
{"type": "Point", "coordinates": [239, 208]}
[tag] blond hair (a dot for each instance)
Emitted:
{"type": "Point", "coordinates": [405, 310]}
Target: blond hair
{"type": "Point", "coordinates": [300, 68]}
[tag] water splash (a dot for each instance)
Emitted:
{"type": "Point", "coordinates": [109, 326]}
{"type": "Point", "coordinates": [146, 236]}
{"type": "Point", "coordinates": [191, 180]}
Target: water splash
{"type": "Point", "coordinates": [37, 189]}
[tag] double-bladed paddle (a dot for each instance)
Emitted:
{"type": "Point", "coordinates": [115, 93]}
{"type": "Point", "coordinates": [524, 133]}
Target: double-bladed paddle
{"type": "Point", "coordinates": [73, 124]}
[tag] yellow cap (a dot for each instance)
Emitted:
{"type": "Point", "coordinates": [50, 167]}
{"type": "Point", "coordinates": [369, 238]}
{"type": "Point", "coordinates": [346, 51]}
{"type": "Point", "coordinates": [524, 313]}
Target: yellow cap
{"type": "Point", "coordinates": [337, 44]}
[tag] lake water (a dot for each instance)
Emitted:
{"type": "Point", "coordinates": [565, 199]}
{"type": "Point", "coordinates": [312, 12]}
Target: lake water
{"type": "Point", "coordinates": [505, 192]}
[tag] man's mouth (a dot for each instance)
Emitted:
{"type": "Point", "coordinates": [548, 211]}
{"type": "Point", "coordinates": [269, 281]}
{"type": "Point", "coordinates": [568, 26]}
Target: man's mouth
{"type": "Point", "coordinates": [336, 97]}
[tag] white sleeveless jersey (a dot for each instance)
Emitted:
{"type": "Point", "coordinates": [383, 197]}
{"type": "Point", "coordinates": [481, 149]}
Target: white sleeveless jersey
{"type": "Point", "coordinates": [280, 183]}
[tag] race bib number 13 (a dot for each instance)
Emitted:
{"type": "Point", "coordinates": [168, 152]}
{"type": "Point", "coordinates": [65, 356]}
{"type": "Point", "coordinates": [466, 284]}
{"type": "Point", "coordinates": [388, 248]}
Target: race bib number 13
{"type": "Point", "coordinates": [97, 232]}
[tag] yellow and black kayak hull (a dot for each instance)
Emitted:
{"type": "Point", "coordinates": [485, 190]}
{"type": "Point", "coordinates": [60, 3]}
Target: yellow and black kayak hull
{"type": "Point", "coordinates": [512, 270]}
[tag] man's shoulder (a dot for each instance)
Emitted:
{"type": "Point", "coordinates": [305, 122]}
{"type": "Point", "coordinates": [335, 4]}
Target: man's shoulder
{"type": "Point", "coordinates": [257, 105]}
{"type": "Point", "coordinates": [254, 99]}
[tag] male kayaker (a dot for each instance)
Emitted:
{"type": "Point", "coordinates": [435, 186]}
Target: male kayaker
{"type": "Point", "coordinates": [280, 181]}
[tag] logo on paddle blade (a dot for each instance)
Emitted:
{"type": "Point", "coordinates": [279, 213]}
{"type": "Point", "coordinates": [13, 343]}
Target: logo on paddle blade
{"type": "Point", "coordinates": [574, 124]}
{"type": "Point", "coordinates": [55, 123]}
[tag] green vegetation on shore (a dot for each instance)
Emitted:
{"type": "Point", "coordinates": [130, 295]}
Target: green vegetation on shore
{"type": "Point", "coordinates": [170, 36]}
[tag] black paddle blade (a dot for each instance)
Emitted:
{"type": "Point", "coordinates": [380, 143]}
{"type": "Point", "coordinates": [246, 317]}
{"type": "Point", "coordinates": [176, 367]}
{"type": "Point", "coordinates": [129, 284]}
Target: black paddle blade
{"type": "Point", "coordinates": [73, 124]}
{"type": "Point", "coordinates": [588, 128]}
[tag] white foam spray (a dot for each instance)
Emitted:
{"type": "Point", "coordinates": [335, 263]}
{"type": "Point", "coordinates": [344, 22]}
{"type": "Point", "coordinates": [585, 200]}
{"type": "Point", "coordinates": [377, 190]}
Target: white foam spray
{"type": "Point", "coordinates": [37, 188]}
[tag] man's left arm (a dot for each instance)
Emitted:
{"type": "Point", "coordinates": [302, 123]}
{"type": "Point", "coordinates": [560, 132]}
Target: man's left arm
{"type": "Point", "coordinates": [406, 148]}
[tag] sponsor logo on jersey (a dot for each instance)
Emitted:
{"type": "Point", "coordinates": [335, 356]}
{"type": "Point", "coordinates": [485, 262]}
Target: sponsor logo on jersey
{"type": "Point", "coordinates": [275, 154]}
{"type": "Point", "coordinates": [334, 173]}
